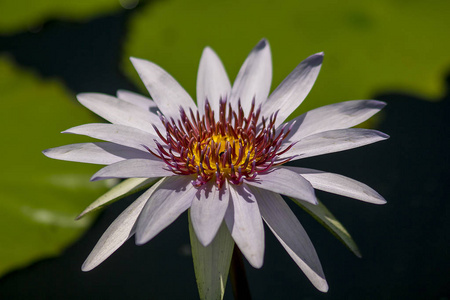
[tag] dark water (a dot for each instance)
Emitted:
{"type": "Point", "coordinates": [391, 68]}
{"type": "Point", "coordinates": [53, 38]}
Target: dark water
{"type": "Point", "coordinates": [405, 243]}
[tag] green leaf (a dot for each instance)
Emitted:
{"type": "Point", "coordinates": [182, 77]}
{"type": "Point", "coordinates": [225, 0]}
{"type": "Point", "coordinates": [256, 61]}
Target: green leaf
{"type": "Point", "coordinates": [30, 14]}
{"type": "Point", "coordinates": [212, 263]}
{"type": "Point", "coordinates": [121, 190]}
{"type": "Point", "coordinates": [370, 46]}
{"type": "Point", "coordinates": [39, 197]}
{"type": "Point", "coordinates": [326, 218]}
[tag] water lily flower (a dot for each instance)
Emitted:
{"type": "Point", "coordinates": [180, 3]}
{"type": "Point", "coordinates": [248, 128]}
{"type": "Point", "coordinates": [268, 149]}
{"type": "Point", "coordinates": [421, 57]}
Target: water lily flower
{"type": "Point", "coordinates": [222, 159]}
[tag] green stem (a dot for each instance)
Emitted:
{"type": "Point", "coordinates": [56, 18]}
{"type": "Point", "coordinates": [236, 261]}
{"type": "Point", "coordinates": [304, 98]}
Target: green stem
{"type": "Point", "coordinates": [238, 278]}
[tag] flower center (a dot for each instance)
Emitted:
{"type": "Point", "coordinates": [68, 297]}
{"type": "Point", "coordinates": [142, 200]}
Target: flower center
{"type": "Point", "coordinates": [232, 148]}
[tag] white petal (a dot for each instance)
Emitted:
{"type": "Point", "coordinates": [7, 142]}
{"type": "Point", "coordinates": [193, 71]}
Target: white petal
{"type": "Point", "coordinates": [244, 222]}
{"type": "Point", "coordinates": [173, 197]}
{"type": "Point", "coordinates": [338, 184]}
{"type": "Point", "coordinates": [134, 168]}
{"type": "Point", "coordinates": [147, 104]}
{"type": "Point", "coordinates": [288, 230]}
{"type": "Point", "coordinates": [94, 153]}
{"type": "Point", "coordinates": [334, 116]}
{"type": "Point", "coordinates": [212, 82]}
{"type": "Point", "coordinates": [119, 112]}
{"type": "Point", "coordinates": [163, 88]}
{"type": "Point", "coordinates": [254, 78]}
{"type": "Point", "coordinates": [294, 89]}
{"type": "Point", "coordinates": [334, 141]}
{"type": "Point", "coordinates": [119, 191]}
{"type": "Point", "coordinates": [212, 263]}
{"type": "Point", "coordinates": [208, 210]}
{"type": "Point", "coordinates": [118, 232]}
{"type": "Point", "coordinates": [286, 182]}
{"type": "Point", "coordinates": [118, 134]}
{"type": "Point", "coordinates": [136, 99]}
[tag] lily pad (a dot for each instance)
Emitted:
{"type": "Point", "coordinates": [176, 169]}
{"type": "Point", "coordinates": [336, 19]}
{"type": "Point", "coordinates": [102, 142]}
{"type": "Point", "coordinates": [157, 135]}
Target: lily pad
{"type": "Point", "coordinates": [30, 14]}
{"type": "Point", "coordinates": [39, 197]}
{"type": "Point", "coordinates": [370, 46]}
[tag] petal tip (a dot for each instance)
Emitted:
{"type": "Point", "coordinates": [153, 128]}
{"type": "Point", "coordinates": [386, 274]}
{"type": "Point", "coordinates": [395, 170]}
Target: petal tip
{"type": "Point", "coordinates": [137, 62]}
{"type": "Point", "coordinates": [48, 153]}
{"type": "Point", "coordinates": [315, 59]}
{"type": "Point", "coordinates": [208, 50]}
{"type": "Point", "coordinates": [205, 240]}
{"type": "Point", "coordinates": [84, 95]}
{"type": "Point", "coordinates": [323, 286]}
{"type": "Point", "coordinates": [378, 104]}
{"type": "Point", "coordinates": [380, 201]}
{"type": "Point", "coordinates": [384, 135]}
{"type": "Point", "coordinates": [120, 92]}
{"type": "Point", "coordinates": [140, 239]}
{"type": "Point", "coordinates": [262, 44]}
{"type": "Point", "coordinates": [86, 267]}
{"type": "Point", "coordinates": [96, 178]}
{"type": "Point", "coordinates": [85, 98]}
{"type": "Point", "coordinates": [257, 263]}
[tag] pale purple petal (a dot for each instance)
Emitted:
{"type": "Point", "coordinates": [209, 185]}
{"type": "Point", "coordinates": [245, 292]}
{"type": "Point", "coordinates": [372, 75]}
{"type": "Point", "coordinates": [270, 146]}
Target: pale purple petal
{"type": "Point", "coordinates": [334, 141]}
{"type": "Point", "coordinates": [254, 78]}
{"type": "Point", "coordinates": [208, 210]}
{"type": "Point", "coordinates": [119, 112]}
{"type": "Point", "coordinates": [294, 89]}
{"type": "Point", "coordinates": [173, 197]}
{"type": "Point", "coordinates": [146, 104]}
{"type": "Point", "coordinates": [118, 232]}
{"type": "Point", "coordinates": [118, 134]}
{"type": "Point", "coordinates": [338, 184]}
{"type": "Point", "coordinates": [244, 222]}
{"type": "Point", "coordinates": [163, 88]}
{"type": "Point", "coordinates": [286, 182]}
{"type": "Point", "coordinates": [212, 82]}
{"type": "Point", "coordinates": [95, 153]}
{"type": "Point", "coordinates": [334, 116]}
{"type": "Point", "coordinates": [136, 99]}
{"type": "Point", "coordinates": [288, 230]}
{"type": "Point", "coordinates": [134, 168]}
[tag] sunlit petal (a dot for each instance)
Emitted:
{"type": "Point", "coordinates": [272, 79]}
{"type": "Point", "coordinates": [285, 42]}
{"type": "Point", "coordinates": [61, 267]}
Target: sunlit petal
{"type": "Point", "coordinates": [254, 78]}
{"type": "Point", "coordinates": [244, 222]}
{"type": "Point", "coordinates": [118, 134]}
{"type": "Point", "coordinates": [133, 168]}
{"type": "Point", "coordinates": [338, 184]}
{"type": "Point", "coordinates": [208, 210]}
{"type": "Point", "coordinates": [294, 89]}
{"type": "Point", "coordinates": [288, 230]}
{"type": "Point", "coordinates": [119, 112]}
{"type": "Point", "coordinates": [334, 116]}
{"type": "Point", "coordinates": [163, 88]}
{"type": "Point", "coordinates": [102, 153]}
{"type": "Point", "coordinates": [136, 99]}
{"type": "Point", "coordinates": [334, 141]}
{"type": "Point", "coordinates": [286, 182]}
{"type": "Point", "coordinates": [172, 198]}
{"type": "Point", "coordinates": [118, 232]}
{"type": "Point", "coordinates": [212, 82]}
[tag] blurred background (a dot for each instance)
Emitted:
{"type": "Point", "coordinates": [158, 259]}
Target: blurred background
{"type": "Point", "coordinates": [392, 50]}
